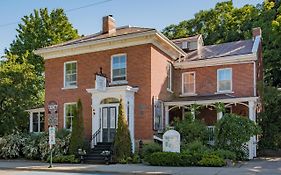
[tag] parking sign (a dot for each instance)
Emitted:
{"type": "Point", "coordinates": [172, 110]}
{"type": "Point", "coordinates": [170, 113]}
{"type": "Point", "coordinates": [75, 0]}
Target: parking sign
{"type": "Point", "coordinates": [52, 135]}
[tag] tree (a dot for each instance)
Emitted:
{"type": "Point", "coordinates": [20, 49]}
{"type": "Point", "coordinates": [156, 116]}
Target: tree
{"type": "Point", "coordinates": [77, 139]}
{"type": "Point", "coordinates": [41, 29]}
{"type": "Point", "coordinates": [16, 93]}
{"type": "Point", "coordinates": [122, 140]}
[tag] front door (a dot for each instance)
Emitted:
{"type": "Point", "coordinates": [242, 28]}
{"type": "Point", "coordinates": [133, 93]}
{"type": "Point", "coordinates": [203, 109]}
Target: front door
{"type": "Point", "coordinates": [108, 123]}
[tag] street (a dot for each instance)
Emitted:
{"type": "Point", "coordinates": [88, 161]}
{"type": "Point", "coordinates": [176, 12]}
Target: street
{"type": "Point", "coordinates": [17, 172]}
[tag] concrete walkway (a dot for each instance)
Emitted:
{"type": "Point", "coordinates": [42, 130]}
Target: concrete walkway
{"type": "Point", "coordinates": [270, 166]}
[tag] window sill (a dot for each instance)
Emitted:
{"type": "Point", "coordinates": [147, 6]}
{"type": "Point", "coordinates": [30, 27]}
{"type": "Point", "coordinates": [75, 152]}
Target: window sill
{"type": "Point", "coordinates": [71, 87]}
{"type": "Point", "coordinates": [118, 82]}
{"type": "Point", "coordinates": [224, 92]}
{"type": "Point", "coordinates": [188, 95]}
{"type": "Point", "coordinates": [169, 90]}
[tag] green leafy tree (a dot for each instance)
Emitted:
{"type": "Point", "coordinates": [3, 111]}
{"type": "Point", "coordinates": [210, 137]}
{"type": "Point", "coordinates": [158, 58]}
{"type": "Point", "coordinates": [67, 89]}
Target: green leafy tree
{"type": "Point", "coordinates": [41, 29]}
{"type": "Point", "coordinates": [77, 139]}
{"type": "Point", "coordinates": [16, 93]}
{"type": "Point", "coordinates": [122, 140]}
{"type": "Point", "coordinates": [270, 120]}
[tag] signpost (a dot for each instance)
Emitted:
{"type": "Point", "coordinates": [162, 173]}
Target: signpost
{"type": "Point", "coordinates": [171, 141]}
{"type": "Point", "coordinates": [53, 122]}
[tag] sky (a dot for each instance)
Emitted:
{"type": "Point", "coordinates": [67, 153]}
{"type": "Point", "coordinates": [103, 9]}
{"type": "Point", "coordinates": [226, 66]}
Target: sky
{"type": "Point", "coordinates": [144, 13]}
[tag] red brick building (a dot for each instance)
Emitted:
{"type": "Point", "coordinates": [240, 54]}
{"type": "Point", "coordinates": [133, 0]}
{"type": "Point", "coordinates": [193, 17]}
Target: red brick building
{"type": "Point", "coordinates": [158, 79]}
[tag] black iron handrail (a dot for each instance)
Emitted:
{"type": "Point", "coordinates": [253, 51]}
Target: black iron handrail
{"type": "Point", "coordinates": [96, 137]}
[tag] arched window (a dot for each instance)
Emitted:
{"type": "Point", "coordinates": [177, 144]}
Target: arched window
{"type": "Point", "coordinates": [109, 100]}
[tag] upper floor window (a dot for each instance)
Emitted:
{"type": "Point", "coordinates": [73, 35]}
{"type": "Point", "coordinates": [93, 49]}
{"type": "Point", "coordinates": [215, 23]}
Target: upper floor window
{"type": "Point", "coordinates": [69, 112]}
{"type": "Point", "coordinates": [169, 76]}
{"type": "Point", "coordinates": [119, 68]}
{"type": "Point", "coordinates": [188, 83]}
{"type": "Point", "coordinates": [70, 74]}
{"type": "Point", "coordinates": [224, 80]}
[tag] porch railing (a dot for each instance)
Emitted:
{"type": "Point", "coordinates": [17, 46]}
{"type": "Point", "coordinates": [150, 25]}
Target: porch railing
{"type": "Point", "coordinates": [96, 138]}
{"type": "Point", "coordinates": [211, 137]}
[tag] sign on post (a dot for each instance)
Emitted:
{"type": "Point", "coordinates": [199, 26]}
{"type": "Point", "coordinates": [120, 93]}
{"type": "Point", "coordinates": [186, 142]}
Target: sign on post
{"type": "Point", "coordinates": [171, 141]}
{"type": "Point", "coordinates": [53, 113]}
{"type": "Point", "coordinates": [52, 135]}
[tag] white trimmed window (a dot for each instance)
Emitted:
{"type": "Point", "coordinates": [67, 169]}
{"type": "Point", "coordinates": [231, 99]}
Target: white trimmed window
{"type": "Point", "coordinates": [188, 83]}
{"type": "Point", "coordinates": [224, 80]}
{"type": "Point", "coordinates": [70, 74]}
{"type": "Point", "coordinates": [37, 122]}
{"type": "Point", "coordinates": [69, 112]}
{"type": "Point", "coordinates": [119, 68]}
{"type": "Point", "coordinates": [169, 77]}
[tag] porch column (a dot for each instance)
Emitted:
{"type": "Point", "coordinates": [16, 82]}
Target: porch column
{"type": "Point", "coordinates": [253, 140]}
{"type": "Point", "coordinates": [30, 122]}
{"type": "Point", "coordinates": [219, 115]}
{"type": "Point", "coordinates": [166, 116]}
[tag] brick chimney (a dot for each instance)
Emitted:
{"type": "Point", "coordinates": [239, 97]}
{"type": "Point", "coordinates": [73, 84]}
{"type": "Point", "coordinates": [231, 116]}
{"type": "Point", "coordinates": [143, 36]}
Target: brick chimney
{"type": "Point", "coordinates": [108, 24]}
{"type": "Point", "coordinates": [256, 32]}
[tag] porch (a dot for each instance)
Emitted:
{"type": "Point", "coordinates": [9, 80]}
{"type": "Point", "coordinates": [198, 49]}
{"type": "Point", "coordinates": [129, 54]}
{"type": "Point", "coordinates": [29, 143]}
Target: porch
{"type": "Point", "coordinates": [210, 112]}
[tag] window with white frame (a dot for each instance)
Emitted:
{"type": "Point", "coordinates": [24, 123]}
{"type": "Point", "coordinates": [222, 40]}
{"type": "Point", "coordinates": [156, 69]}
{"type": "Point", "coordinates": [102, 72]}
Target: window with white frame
{"type": "Point", "coordinates": [224, 80]}
{"type": "Point", "coordinates": [188, 83]}
{"type": "Point", "coordinates": [119, 68]}
{"type": "Point", "coordinates": [169, 76]}
{"type": "Point", "coordinates": [37, 122]}
{"type": "Point", "coordinates": [70, 74]}
{"type": "Point", "coordinates": [69, 111]}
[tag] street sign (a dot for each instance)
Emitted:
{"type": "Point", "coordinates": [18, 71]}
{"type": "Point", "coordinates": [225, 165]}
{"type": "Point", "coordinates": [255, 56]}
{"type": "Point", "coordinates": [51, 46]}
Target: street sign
{"type": "Point", "coordinates": [52, 113]}
{"type": "Point", "coordinates": [52, 135]}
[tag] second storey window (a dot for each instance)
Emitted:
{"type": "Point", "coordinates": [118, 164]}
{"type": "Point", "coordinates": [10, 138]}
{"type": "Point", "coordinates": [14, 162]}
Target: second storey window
{"type": "Point", "coordinates": [119, 68]}
{"type": "Point", "coordinates": [69, 111]}
{"type": "Point", "coordinates": [188, 83]}
{"type": "Point", "coordinates": [70, 74]}
{"type": "Point", "coordinates": [224, 80]}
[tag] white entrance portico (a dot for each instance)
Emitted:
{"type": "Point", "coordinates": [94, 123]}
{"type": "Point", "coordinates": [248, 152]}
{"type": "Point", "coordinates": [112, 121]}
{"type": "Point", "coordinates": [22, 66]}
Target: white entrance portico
{"type": "Point", "coordinates": [99, 108]}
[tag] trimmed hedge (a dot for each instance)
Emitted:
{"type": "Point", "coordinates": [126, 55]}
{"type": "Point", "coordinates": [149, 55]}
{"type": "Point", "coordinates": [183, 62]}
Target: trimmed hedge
{"type": "Point", "coordinates": [184, 159]}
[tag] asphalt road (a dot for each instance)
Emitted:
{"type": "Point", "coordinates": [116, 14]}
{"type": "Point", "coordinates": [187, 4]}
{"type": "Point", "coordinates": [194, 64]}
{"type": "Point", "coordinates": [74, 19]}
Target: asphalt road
{"type": "Point", "coordinates": [18, 172]}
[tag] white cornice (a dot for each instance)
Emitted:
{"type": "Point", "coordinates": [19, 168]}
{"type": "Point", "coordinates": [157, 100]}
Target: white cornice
{"type": "Point", "coordinates": [248, 58]}
{"type": "Point", "coordinates": [152, 37]}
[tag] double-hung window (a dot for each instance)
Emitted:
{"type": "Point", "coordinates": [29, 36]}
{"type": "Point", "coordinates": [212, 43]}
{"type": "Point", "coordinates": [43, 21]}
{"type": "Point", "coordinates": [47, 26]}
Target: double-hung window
{"type": "Point", "coordinates": [70, 74]}
{"type": "Point", "coordinates": [119, 68]}
{"type": "Point", "coordinates": [37, 122]}
{"type": "Point", "coordinates": [224, 80]}
{"type": "Point", "coordinates": [188, 83]}
{"type": "Point", "coordinates": [69, 112]}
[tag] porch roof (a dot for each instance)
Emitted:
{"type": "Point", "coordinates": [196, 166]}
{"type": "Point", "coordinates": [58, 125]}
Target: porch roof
{"type": "Point", "coordinates": [208, 99]}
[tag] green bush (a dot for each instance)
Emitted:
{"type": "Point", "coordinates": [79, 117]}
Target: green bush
{"type": "Point", "coordinates": [195, 147]}
{"type": "Point", "coordinates": [191, 129]}
{"type": "Point", "coordinates": [11, 145]}
{"type": "Point", "coordinates": [164, 159]}
{"type": "Point", "coordinates": [210, 160]}
{"type": "Point", "coordinates": [232, 131]}
{"type": "Point", "coordinates": [150, 148]}
{"type": "Point", "coordinates": [225, 154]}
{"type": "Point", "coordinates": [64, 159]}
{"type": "Point", "coordinates": [122, 141]}
{"type": "Point", "coordinates": [30, 148]}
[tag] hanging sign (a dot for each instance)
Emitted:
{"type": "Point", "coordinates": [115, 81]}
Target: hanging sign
{"type": "Point", "coordinates": [100, 83]}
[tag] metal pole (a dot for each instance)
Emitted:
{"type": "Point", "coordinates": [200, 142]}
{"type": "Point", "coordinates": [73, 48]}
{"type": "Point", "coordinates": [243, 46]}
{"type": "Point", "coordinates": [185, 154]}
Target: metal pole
{"type": "Point", "coordinates": [51, 157]}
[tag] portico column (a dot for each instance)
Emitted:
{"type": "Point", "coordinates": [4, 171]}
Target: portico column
{"type": "Point", "coordinates": [166, 116]}
{"type": "Point", "coordinates": [30, 122]}
{"type": "Point", "coordinates": [219, 115]}
{"type": "Point", "coordinates": [252, 142]}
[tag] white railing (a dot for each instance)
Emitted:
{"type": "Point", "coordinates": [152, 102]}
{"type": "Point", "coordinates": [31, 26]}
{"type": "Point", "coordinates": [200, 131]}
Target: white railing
{"type": "Point", "coordinates": [211, 137]}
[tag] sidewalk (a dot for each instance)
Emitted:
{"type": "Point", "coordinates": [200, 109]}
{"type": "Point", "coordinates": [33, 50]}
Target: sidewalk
{"type": "Point", "coordinates": [261, 166]}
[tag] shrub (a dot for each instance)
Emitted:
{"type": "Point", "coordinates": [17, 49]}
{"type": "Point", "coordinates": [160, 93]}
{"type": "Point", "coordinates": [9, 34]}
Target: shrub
{"type": "Point", "coordinates": [212, 161]}
{"type": "Point", "coordinates": [64, 159]}
{"type": "Point", "coordinates": [191, 130]}
{"type": "Point", "coordinates": [225, 154]}
{"type": "Point", "coordinates": [232, 131]}
{"type": "Point", "coordinates": [195, 147]}
{"type": "Point", "coordinates": [77, 134]}
{"type": "Point", "coordinates": [164, 159]}
{"type": "Point", "coordinates": [30, 148]}
{"type": "Point", "coordinates": [11, 145]}
{"type": "Point", "coordinates": [150, 148]}
{"type": "Point", "coordinates": [122, 140]}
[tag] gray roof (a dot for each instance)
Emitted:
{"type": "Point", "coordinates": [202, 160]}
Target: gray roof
{"type": "Point", "coordinates": [221, 50]}
{"type": "Point", "coordinates": [126, 30]}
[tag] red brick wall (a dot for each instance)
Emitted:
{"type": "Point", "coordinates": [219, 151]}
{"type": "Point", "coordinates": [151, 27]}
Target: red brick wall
{"type": "Point", "coordinates": [206, 79]}
{"type": "Point", "coordinates": [138, 74]}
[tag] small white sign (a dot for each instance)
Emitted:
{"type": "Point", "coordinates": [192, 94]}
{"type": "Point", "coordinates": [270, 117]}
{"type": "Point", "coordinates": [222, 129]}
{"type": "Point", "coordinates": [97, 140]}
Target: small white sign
{"type": "Point", "coordinates": [52, 135]}
{"type": "Point", "coordinates": [100, 83]}
{"type": "Point", "coordinates": [171, 141]}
